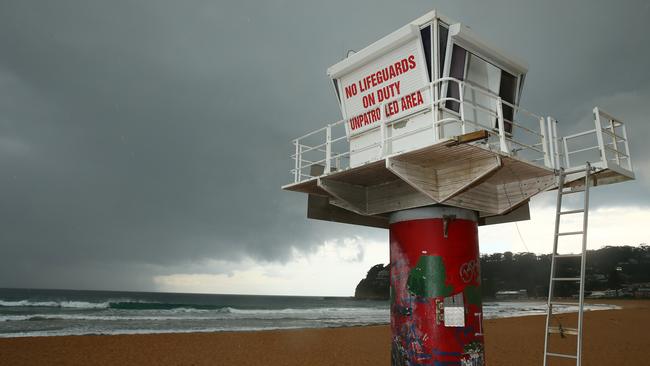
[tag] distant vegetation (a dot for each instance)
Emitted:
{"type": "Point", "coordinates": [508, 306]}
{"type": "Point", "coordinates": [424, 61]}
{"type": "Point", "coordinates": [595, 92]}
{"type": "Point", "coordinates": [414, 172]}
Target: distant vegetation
{"type": "Point", "coordinates": [622, 268]}
{"type": "Point", "coordinates": [607, 268]}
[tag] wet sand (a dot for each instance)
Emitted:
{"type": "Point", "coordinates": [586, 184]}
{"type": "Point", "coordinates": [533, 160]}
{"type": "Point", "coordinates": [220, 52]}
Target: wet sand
{"type": "Point", "coordinates": [612, 337]}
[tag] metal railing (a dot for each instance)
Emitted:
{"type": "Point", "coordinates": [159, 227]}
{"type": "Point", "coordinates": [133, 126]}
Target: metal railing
{"type": "Point", "coordinates": [531, 137]}
{"type": "Point", "coordinates": [607, 144]}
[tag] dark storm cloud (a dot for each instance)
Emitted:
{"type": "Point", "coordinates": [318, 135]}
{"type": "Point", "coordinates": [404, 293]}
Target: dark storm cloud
{"type": "Point", "coordinates": [139, 138]}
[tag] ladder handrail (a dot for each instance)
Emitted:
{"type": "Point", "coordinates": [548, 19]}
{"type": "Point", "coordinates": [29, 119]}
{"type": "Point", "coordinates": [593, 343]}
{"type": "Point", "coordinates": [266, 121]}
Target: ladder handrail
{"type": "Point", "coordinates": [549, 306]}
{"type": "Point", "coordinates": [583, 265]}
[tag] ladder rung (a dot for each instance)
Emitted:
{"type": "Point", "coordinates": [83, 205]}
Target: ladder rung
{"type": "Point", "coordinates": [571, 212]}
{"type": "Point", "coordinates": [570, 233]}
{"type": "Point", "coordinates": [566, 303]}
{"type": "Point", "coordinates": [570, 171]}
{"type": "Point", "coordinates": [557, 330]}
{"type": "Point", "coordinates": [561, 355]}
{"type": "Point", "coordinates": [566, 278]}
{"type": "Point", "coordinates": [568, 255]}
{"type": "Point", "coordinates": [573, 191]}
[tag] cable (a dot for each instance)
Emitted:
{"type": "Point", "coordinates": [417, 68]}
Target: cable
{"type": "Point", "coordinates": [505, 191]}
{"type": "Point", "coordinates": [522, 238]}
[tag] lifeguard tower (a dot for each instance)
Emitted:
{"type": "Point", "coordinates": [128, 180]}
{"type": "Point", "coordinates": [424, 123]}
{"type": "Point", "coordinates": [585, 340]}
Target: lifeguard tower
{"type": "Point", "coordinates": [432, 143]}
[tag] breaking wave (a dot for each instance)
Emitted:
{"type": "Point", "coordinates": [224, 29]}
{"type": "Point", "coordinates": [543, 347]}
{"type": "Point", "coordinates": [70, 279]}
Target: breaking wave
{"type": "Point", "coordinates": [118, 304]}
{"type": "Point", "coordinates": [55, 304]}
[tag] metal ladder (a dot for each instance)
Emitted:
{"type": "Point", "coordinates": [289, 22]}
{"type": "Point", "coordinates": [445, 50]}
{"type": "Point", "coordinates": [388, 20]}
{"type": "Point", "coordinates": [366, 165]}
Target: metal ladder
{"type": "Point", "coordinates": [583, 259]}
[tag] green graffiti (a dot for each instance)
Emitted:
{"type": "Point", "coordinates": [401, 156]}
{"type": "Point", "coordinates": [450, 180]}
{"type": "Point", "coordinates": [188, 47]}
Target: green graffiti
{"type": "Point", "coordinates": [473, 354]}
{"type": "Point", "coordinates": [473, 295]}
{"type": "Point", "coordinates": [473, 347]}
{"type": "Point", "coordinates": [427, 278]}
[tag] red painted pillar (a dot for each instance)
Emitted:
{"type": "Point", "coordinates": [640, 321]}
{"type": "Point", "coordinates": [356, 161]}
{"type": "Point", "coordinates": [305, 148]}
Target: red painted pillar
{"type": "Point", "coordinates": [436, 310]}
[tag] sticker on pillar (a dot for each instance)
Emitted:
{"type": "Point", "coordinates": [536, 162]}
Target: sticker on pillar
{"type": "Point", "coordinates": [473, 355]}
{"type": "Point", "coordinates": [454, 310]}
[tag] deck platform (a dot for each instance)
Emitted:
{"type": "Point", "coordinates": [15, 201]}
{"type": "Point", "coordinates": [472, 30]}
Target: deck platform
{"type": "Point", "coordinates": [462, 175]}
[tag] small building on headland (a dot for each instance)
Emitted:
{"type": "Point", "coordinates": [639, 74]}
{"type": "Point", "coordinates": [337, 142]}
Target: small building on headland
{"type": "Point", "coordinates": [642, 293]}
{"type": "Point", "coordinates": [512, 295]}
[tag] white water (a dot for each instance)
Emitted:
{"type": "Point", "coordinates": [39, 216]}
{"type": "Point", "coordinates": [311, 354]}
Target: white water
{"type": "Point", "coordinates": [52, 318]}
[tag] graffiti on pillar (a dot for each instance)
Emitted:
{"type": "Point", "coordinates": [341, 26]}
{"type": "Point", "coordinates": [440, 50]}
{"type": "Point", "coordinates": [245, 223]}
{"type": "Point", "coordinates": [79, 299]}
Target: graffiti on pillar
{"type": "Point", "coordinates": [472, 354]}
{"type": "Point", "coordinates": [399, 272]}
{"type": "Point", "coordinates": [436, 309]}
{"type": "Point", "coordinates": [428, 277]}
{"type": "Point", "coordinates": [469, 271]}
{"type": "Point", "coordinates": [473, 295]}
{"type": "Point", "coordinates": [412, 345]}
{"type": "Point", "coordinates": [398, 354]}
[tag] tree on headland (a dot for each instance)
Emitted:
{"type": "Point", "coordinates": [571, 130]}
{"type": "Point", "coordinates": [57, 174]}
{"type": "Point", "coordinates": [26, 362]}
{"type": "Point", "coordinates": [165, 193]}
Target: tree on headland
{"type": "Point", "coordinates": [611, 267]}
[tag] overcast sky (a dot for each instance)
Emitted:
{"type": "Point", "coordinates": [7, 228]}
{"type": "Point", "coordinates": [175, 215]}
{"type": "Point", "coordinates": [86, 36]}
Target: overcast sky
{"type": "Point", "coordinates": [143, 143]}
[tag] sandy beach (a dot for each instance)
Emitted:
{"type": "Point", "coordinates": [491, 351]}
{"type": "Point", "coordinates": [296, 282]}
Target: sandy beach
{"type": "Point", "coordinates": [614, 337]}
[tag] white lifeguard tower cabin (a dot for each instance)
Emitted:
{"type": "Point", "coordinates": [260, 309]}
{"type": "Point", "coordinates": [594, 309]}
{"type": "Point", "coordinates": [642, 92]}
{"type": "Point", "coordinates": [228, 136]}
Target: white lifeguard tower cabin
{"type": "Point", "coordinates": [431, 115]}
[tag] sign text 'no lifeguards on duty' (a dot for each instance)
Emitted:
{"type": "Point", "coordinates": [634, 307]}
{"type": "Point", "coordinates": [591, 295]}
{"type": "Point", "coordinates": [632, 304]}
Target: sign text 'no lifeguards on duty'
{"type": "Point", "coordinates": [396, 79]}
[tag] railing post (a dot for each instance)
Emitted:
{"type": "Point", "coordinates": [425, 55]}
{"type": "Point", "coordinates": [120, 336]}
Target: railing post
{"type": "Point", "coordinates": [566, 153]}
{"type": "Point", "coordinates": [296, 170]}
{"type": "Point", "coordinates": [328, 149]}
{"type": "Point", "coordinates": [542, 131]}
{"type": "Point", "coordinates": [461, 109]}
{"type": "Point", "coordinates": [599, 136]}
{"type": "Point", "coordinates": [434, 111]}
{"type": "Point", "coordinates": [627, 148]}
{"type": "Point", "coordinates": [615, 140]}
{"type": "Point", "coordinates": [555, 145]}
{"type": "Point", "coordinates": [382, 129]}
{"type": "Point", "coordinates": [551, 145]}
{"type": "Point", "coordinates": [502, 130]}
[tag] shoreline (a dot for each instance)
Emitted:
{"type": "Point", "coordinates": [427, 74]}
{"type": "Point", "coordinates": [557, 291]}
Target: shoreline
{"type": "Point", "coordinates": [614, 336]}
{"type": "Point", "coordinates": [488, 315]}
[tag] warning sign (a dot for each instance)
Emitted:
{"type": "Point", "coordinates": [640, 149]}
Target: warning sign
{"type": "Point", "coordinates": [397, 80]}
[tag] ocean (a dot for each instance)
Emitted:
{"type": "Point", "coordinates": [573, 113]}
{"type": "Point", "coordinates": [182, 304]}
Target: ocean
{"type": "Point", "coordinates": [31, 312]}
